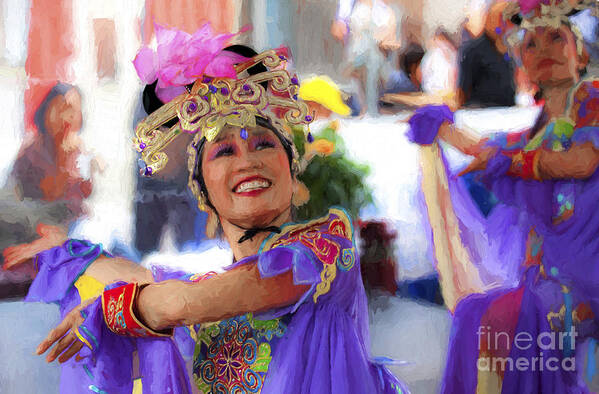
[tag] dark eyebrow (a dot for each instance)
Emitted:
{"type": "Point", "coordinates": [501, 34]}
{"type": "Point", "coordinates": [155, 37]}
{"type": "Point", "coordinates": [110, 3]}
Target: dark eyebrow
{"type": "Point", "coordinates": [221, 136]}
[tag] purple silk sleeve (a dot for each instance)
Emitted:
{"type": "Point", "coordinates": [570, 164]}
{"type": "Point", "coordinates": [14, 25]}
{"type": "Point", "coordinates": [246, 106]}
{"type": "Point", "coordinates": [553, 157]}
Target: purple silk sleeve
{"type": "Point", "coordinates": [108, 359]}
{"type": "Point", "coordinates": [426, 121]}
{"type": "Point", "coordinates": [59, 268]}
{"type": "Point", "coordinates": [108, 363]}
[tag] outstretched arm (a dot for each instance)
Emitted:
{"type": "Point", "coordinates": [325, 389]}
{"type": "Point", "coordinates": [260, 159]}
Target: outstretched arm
{"type": "Point", "coordinates": [464, 140]}
{"type": "Point", "coordinates": [176, 303]}
{"type": "Point", "coordinates": [241, 290]}
{"type": "Point", "coordinates": [580, 161]}
{"type": "Point", "coordinates": [104, 269]}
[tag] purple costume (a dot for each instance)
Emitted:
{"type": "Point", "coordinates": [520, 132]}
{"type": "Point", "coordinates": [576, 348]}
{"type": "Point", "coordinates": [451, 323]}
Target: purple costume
{"type": "Point", "coordinates": [538, 248]}
{"type": "Point", "coordinates": [318, 345]}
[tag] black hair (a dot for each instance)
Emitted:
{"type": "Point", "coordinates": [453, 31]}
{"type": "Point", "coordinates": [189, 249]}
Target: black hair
{"type": "Point", "coordinates": [412, 57]}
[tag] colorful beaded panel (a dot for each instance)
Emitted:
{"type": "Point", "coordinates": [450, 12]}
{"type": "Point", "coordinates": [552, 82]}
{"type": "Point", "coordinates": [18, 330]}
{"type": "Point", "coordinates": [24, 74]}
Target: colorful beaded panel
{"type": "Point", "coordinates": [232, 356]}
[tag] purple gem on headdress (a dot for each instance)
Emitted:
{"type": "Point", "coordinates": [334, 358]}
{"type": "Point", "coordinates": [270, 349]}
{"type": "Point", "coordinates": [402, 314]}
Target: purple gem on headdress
{"type": "Point", "coordinates": [282, 57]}
{"type": "Point", "coordinates": [142, 146]}
{"type": "Point", "coordinates": [498, 30]}
{"type": "Point", "coordinates": [295, 96]}
{"type": "Point", "coordinates": [294, 81]}
{"type": "Point", "coordinates": [212, 89]}
{"type": "Point", "coordinates": [206, 79]}
{"type": "Point", "coordinates": [235, 113]}
{"type": "Point", "coordinates": [310, 137]}
{"type": "Point", "coordinates": [193, 106]}
{"type": "Point", "coordinates": [308, 118]}
{"type": "Point", "coordinates": [205, 98]}
{"type": "Point", "coordinates": [246, 87]}
{"type": "Point", "coordinates": [148, 171]}
{"type": "Point", "coordinates": [244, 133]}
{"type": "Point", "coordinates": [224, 91]}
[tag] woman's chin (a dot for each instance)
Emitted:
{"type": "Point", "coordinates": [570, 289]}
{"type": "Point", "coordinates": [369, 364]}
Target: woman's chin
{"type": "Point", "coordinates": [257, 213]}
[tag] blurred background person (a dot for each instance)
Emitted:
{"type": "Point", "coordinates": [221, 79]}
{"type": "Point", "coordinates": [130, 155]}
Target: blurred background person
{"type": "Point", "coordinates": [370, 33]}
{"type": "Point", "coordinates": [425, 77]}
{"type": "Point", "coordinates": [408, 78]}
{"type": "Point", "coordinates": [439, 65]}
{"type": "Point", "coordinates": [486, 71]}
{"type": "Point", "coordinates": [51, 176]}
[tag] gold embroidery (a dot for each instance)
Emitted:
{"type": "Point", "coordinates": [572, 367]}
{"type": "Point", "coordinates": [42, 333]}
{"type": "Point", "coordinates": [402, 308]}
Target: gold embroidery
{"type": "Point", "coordinates": [326, 251]}
{"type": "Point", "coordinates": [327, 275]}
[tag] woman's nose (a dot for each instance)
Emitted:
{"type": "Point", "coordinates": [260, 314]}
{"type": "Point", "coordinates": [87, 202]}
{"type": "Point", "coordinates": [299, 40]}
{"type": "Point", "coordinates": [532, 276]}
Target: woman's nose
{"type": "Point", "coordinates": [248, 160]}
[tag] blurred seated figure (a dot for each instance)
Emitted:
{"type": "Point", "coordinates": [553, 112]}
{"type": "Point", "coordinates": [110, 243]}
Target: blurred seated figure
{"type": "Point", "coordinates": [425, 78]}
{"type": "Point", "coordinates": [409, 77]}
{"type": "Point", "coordinates": [47, 168]}
{"type": "Point", "coordinates": [50, 178]}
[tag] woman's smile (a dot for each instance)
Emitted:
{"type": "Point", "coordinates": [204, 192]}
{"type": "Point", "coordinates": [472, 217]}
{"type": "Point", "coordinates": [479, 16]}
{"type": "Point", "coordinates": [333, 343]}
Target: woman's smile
{"type": "Point", "coordinates": [252, 186]}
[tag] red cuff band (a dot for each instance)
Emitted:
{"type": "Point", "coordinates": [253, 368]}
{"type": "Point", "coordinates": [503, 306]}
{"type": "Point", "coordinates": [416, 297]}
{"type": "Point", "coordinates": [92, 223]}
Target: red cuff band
{"type": "Point", "coordinates": [525, 165]}
{"type": "Point", "coordinates": [117, 305]}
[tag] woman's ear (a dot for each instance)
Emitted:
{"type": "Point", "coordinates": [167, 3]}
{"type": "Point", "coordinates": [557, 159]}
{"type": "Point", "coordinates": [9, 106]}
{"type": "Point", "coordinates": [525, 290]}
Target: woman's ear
{"type": "Point", "coordinates": [212, 223]}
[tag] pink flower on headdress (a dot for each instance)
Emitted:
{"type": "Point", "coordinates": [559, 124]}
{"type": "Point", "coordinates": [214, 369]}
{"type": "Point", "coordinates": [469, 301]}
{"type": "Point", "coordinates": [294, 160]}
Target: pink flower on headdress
{"type": "Point", "coordinates": [181, 58]}
{"type": "Point", "coordinates": [528, 5]}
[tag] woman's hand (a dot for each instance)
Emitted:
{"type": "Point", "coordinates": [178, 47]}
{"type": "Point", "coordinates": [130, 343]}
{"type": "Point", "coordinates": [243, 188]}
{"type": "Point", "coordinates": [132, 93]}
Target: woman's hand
{"type": "Point", "coordinates": [67, 343]}
{"type": "Point", "coordinates": [480, 161]}
{"type": "Point", "coordinates": [50, 236]}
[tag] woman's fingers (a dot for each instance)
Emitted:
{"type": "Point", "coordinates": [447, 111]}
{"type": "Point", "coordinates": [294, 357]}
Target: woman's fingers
{"type": "Point", "coordinates": [55, 335]}
{"type": "Point", "coordinates": [70, 352]}
{"type": "Point", "coordinates": [480, 161]}
{"type": "Point", "coordinates": [60, 347]}
{"type": "Point", "coordinates": [14, 257]}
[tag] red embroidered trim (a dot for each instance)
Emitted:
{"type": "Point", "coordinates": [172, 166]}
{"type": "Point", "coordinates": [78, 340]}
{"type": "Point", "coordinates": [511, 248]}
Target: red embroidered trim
{"type": "Point", "coordinates": [525, 164]}
{"type": "Point", "coordinates": [117, 305]}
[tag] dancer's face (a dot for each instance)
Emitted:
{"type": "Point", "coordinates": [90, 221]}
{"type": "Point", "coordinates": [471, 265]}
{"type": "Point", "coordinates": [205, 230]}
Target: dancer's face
{"type": "Point", "coordinates": [550, 55]}
{"type": "Point", "coordinates": [248, 180]}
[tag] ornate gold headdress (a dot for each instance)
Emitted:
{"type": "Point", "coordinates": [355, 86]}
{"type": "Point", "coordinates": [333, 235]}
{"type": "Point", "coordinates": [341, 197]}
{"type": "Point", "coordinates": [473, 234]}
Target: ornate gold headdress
{"type": "Point", "coordinates": [215, 102]}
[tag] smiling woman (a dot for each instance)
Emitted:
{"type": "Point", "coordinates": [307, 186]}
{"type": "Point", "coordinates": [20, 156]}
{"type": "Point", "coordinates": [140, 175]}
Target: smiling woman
{"type": "Point", "coordinates": [288, 315]}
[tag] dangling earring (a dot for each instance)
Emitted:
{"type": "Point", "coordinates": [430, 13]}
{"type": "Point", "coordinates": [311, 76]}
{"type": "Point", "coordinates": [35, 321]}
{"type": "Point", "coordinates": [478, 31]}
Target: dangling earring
{"type": "Point", "coordinates": [301, 195]}
{"type": "Point", "coordinates": [212, 223]}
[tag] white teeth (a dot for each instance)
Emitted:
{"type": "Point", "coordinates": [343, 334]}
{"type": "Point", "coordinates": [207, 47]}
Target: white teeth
{"type": "Point", "coordinates": [252, 185]}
